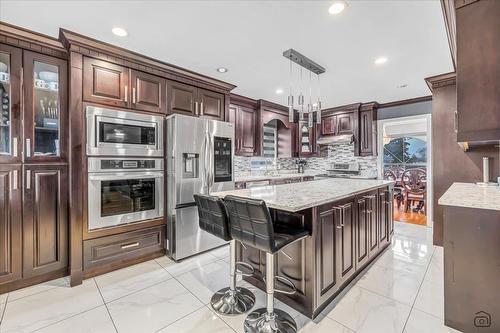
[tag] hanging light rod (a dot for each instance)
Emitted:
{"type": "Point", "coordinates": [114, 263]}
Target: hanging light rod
{"type": "Point", "coordinates": [303, 61]}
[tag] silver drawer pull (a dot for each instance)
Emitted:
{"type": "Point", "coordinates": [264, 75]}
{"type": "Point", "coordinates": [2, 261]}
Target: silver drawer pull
{"type": "Point", "coordinates": [28, 179]}
{"type": "Point", "coordinates": [14, 179]}
{"type": "Point", "coordinates": [14, 146]}
{"type": "Point", "coordinates": [28, 147]}
{"type": "Point", "coordinates": [128, 246]}
{"type": "Point", "coordinates": [369, 196]}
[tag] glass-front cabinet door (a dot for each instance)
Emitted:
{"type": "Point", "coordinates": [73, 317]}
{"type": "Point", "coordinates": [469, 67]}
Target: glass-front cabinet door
{"type": "Point", "coordinates": [45, 107]}
{"type": "Point", "coordinates": [10, 90]}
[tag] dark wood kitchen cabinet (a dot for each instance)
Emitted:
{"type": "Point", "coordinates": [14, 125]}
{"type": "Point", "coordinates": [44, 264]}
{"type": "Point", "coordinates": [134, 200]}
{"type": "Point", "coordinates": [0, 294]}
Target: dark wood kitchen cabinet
{"type": "Point", "coordinates": [372, 221]}
{"type": "Point", "coordinates": [338, 123]}
{"type": "Point", "coordinates": [478, 72]}
{"type": "Point", "coordinates": [385, 216]}
{"type": "Point", "coordinates": [243, 118]}
{"type": "Point", "coordinates": [149, 92]}
{"type": "Point", "coordinates": [105, 83]}
{"type": "Point", "coordinates": [193, 101]}
{"type": "Point", "coordinates": [10, 223]}
{"type": "Point", "coordinates": [346, 215]}
{"type": "Point", "coordinates": [306, 145]}
{"type": "Point", "coordinates": [45, 219]}
{"type": "Point", "coordinates": [276, 116]}
{"type": "Point", "coordinates": [362, 231]}
{"type": "Point", "coordinates": [367, 137]}
{"type": "Point", "coordinates": [211, 104]}
{"type": "Point", "coordinates": [119, 86]}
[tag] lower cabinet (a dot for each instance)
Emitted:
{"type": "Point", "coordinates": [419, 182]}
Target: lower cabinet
{"type": "Point", "coordinates": [119, 249]}
{"type": "Point", "coordinates": [10, 223]}
{"type": "Point", "coordinates": [33, 222]}
{"type": "Point", "coordinates": [45, 219]}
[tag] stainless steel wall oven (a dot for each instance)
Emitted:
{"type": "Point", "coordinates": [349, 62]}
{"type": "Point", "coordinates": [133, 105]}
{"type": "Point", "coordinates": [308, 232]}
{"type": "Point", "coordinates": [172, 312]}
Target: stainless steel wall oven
{"type": "Point", "coordinates": [124, 190]}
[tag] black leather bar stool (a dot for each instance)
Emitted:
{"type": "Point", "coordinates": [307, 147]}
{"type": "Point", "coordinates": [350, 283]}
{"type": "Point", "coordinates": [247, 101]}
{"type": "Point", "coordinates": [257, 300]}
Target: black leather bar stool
{"type": "Point", "coordinates": [250, 222]}
{"type": "Point", "coordinates": [213, 219]}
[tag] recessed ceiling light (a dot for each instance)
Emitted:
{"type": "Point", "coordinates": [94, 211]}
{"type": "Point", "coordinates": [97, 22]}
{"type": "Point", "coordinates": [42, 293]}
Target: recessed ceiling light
{"type": "Point", "coordinates": [380, 60]}
{"type": "Point", "coordinates": [222, 69]}
{"type": "Point", "coordinates": [404, 85]}
{"type": "Point", "coordinates": [279, 91]}
{"type": "Point", "coordinates": [119, 31]}
{"type": "Point", "coordinates": [337, 7]}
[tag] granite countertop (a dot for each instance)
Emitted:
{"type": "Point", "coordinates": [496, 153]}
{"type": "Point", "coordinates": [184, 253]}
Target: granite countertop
{"type": "Point", "coordinates": [298, 196]}
{"type": "Point", "coordinates": [470, 195]}
{"type": "Point", "coordinates": [284, 175]}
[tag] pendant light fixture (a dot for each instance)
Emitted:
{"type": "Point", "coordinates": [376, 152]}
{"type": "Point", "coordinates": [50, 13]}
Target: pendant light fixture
{"type": "Point", "coordinates": [313, 110]}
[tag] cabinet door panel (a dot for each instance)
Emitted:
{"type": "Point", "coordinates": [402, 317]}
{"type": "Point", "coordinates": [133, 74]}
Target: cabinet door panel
{"type": "Point", "coordinates": [345, 123]}
{"type": "Point", "coordinates": [372, 218]}
{"type": "Point", "coordinates": [327, 248]}
{"type": "Point", "coordinates": [45, 219]}
{"type": "Point", "coordinates": [148, 92]}
{"type": "Point", "coordinates": [105, 83]}
{"type": "Point", "coordinates": [45, 108]}
{"type": "Point", "coordinates": [211, 104]}
{"type": "Point", "coordinates": [362, 230]}
{"type": "Point", "coordinates": [366, 142]}
{"type": "Point", "coordinates": [346, 240]}
{"type": "Point", "coordinates": [246, 130]}
{"type": "Point", "coordinates": [181, 98]}
{"type": "Point", "coordinates": [383, 222]}
{"type": "Point", "coordinates": [328, 125]}
{"type": "Point", "coordinates": [10, 224]}
{"type": "Point", "coordinates": [10, 109]}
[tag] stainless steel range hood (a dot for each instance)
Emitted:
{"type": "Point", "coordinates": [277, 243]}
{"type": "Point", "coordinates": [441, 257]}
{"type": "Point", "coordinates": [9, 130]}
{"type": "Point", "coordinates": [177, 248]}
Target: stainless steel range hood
{"type": "Point", "coordinates": [335, 139]}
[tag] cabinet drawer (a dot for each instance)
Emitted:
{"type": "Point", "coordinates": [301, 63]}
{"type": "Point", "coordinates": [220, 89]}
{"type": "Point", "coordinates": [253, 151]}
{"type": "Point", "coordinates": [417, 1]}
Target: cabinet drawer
{"type": "Point", "coordinates": [127, 246]}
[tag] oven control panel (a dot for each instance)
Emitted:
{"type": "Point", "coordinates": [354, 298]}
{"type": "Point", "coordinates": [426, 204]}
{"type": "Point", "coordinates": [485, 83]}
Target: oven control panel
{"type": "Point", "coordinates": [124, 164]}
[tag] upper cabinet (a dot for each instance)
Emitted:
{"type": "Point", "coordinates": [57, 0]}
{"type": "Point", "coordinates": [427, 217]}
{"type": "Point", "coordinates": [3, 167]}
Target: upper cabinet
{"type": "Point", "coordinates": [45, 109]}
{"type": "Point", "coordinates": [367, 142]}
{"type": "Point", "coordinates": [10, 114]}
{"type": "Point", "coordinates": [114, 85]}
{"type": "Point", "coordinates": [149, 92]}
{"type": "Point", "coordinates": [338, 123]}
{"type": "Point", "coordinates": [193, 101]}
{"type": "Point", "coordinates": [105, 83]}
{"type": "Point", "coordinates": [478, 71]}
{"type": "Point", "coordinates": [306, 139]}
{"type": "Point", "coordinates": [110, 84]}
{"type": "Point", "coordinates": [244, 119]}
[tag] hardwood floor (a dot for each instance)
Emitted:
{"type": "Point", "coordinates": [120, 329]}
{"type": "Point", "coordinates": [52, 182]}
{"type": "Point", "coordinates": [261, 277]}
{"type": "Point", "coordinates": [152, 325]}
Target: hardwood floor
{"type": "Point", "coordinates": [410, 216]}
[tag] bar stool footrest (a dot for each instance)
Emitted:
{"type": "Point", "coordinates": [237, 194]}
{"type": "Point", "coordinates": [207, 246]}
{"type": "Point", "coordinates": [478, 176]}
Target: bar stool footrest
{"type": "Point", "coordinates": [283, 281]}
{"type": "Point", "coordinates": [242, 266]}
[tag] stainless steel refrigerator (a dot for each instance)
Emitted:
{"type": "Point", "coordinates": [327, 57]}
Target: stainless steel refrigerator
{"type": "Point", "coordinates": [199, 160]}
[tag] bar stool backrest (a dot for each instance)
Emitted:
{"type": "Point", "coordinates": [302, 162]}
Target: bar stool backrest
{"type": "Point", "coordinates": [250, 222]}
{"type": "Point", "coordinates": [212, 216]}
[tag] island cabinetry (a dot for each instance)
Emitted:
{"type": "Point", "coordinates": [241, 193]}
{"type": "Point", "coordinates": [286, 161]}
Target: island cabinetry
{"type": "Point", "coordinates": [345, 237]}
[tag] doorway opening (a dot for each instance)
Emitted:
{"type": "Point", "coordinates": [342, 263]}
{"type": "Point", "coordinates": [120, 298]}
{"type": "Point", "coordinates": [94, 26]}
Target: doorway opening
{"type": "Point", "coordinates": [406, 160]}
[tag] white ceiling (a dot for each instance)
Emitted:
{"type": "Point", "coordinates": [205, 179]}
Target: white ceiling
{"type": "Point", "coordinates": [248, 37]}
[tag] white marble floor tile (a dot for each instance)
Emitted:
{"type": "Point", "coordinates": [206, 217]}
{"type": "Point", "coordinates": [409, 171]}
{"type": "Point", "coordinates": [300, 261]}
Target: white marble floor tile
{"type": "Point", "coordinates": [364, 311]}
{"type": "Point", "coordinates": [125, 281]}
{"type": "Point", "coordinates": [398, 285]}
{"type": "Point", "coordinates": [40, 310]}
{"type": "Point", "coordinates": [94, 321]}
{"type": "Point", "coordinates": [408, 248]}
{"type": "Point", "coordinates": [3, 297]}
{"type": "Point", "coordinates": [2, 307]}
{"type": "Point", "coordinates": [421, 322]}
{"type": "Point", "coordinates": [183, 266]}
{"type": "Point", "coordinates": [430, 299]}
{"type": "Point", "coordinates": [204, 320]}
{"type": "Point", "coordinates": [321, 324]}
{"type": "Point", "coordinates": [205, 281]}
{"type": "Point", "coordinates": [392, 259]}
{"type": "Point", "coordinates": [435, 272]}
{"type": "Point", "coordinates": [221, 252]}
{"type": "Point", "coordinates": [153, 308]}
{"type": "Point", "coordinates": [39, 288]}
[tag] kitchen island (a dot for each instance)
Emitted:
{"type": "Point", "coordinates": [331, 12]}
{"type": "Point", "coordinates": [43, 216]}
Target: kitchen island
{"type": "Point", "coordinates": [350, 223]}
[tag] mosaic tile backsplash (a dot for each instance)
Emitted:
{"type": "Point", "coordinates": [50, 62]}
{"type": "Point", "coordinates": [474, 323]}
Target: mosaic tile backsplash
{"type": "Point", "coordinates": [343, 153]}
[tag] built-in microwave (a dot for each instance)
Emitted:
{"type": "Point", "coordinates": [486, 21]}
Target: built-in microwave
{"type": "Point", "coordinates": [123, 133]}
{"type": "Point", "coordinates": [124, 190]}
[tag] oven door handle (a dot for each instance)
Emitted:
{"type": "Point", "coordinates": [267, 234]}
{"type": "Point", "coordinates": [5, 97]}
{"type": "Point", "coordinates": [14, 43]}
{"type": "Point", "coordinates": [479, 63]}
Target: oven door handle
{"type": "Point", "coordinates": [125, 175]}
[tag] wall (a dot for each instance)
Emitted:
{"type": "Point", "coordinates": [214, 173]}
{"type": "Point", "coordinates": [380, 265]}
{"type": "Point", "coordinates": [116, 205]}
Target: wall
{"type": "Point", "coordinates": [336, 154]}
{"type": "Point", "coordinates": [450, 163]}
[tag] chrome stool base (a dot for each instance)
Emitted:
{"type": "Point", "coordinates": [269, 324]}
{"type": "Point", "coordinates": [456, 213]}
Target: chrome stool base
{"type": "Point", "coordinates": [259, 321]}
{"type": "Point", "coordinates": [232, 302]}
